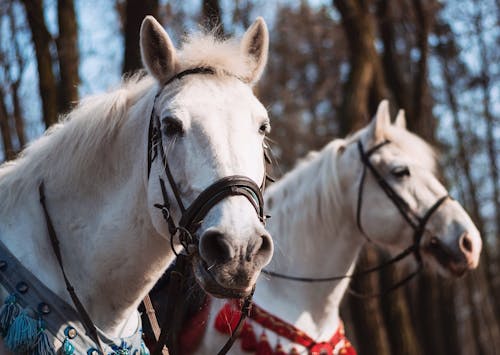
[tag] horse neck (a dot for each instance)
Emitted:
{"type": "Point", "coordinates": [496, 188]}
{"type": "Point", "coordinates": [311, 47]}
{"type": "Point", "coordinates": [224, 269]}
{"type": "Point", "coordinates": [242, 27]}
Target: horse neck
{"type": "Point", "coordinates": [315, 236]}
{"type": "Point", "coordinates": [110, 250]}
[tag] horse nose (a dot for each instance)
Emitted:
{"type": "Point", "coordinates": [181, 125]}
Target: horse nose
{"type": "Point", "coordinates": [261, 250]}
{"type": "Point", "coordinates": [217, 247]}
{"type": "Point", "coordinates": [466, 246]}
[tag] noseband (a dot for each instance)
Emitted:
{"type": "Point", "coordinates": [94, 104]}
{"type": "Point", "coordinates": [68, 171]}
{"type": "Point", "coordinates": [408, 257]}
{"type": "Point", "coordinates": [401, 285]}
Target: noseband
{"type": "Point", "coordinates": [416, 222]}
{"type": "Point", "coordinates": [192, 216]}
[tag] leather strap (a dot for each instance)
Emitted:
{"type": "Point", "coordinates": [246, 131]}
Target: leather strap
{"type": "Point", "coordinates": [225, 187]}
{"type": "Point", "coordinates": [153, 321]}
{"type": "Point", "coordinates": [244, 313]}
{"type": "Point", "coordinates": [150, 312]}
{"type": "Point", "coordinates": [54, 241]}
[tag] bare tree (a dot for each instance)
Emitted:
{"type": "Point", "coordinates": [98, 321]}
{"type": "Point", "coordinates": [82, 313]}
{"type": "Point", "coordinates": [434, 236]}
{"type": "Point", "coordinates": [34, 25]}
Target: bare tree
{"type": "Point", "coordinates": [365, 86]}
{"type": "Point", "coordinates": [422, 122]}
{"type": "Point", "coordinates": [67, 50]}
{"type": "Point", "coordinates": [42, 40]}
{"type": "Point", "coordinates": [20, 63]}
{"type": "Point", "coordinates": [135, 11]}
{"type": "Point", "coordinates": [485, 83]}
{"type": "Point", "coordinates": [8, 147]}
{"type": "Point", "coordinates": [365, 312]}
{"type": "Point", "coordinates": [212, 16]}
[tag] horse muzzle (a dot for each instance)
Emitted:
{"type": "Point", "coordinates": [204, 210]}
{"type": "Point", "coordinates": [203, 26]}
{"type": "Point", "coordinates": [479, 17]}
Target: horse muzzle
{"type": "Point", "coordinates": [457, 257]}
{"type": "Point", "coordinates": [207, 280]}
{"type": "Point", "coordinates": [228, 268]}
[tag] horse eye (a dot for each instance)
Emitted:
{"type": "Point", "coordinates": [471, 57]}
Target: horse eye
{"type": "Point", "coordinates": [172, 126]}
{"type": "Point", "coordinates": [265, 128]}
{"type": "Point", "coordinates": [400, 172]}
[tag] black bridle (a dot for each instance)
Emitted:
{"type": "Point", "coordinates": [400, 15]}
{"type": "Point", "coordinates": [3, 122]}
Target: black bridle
{"type": "Point", "coordinates": [416, 222]}
{"type": "Point", "coordinates": [192, 216]}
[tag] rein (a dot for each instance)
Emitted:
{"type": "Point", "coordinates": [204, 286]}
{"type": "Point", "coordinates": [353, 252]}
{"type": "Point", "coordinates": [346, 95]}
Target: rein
{"type": "Point", "coordinates": [54, 241]}
{"type": "Point", "coordinates": [192, 216]}
{"type": "Point", "coordinates": [416, 222]}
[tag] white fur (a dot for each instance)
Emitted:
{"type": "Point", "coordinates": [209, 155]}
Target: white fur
{"type": "Point", "coordinates": [113, 241]}
{"type": "Point", "coordinates": [313, 223]}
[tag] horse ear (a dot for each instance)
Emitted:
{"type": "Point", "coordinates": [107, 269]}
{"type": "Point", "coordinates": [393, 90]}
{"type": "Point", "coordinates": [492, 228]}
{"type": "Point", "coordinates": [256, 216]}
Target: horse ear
{"type": "Point", "coordinates": [400, 119]}
{"type": "Point", "coordinates": [157, 51]}
{"type": "Point", "coordinates": [255, 45]}
{"type": "Point", "coordinates": [381, 121]}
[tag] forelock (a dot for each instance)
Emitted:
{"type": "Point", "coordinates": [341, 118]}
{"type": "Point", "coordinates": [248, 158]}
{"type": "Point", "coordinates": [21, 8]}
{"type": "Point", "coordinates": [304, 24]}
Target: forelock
{"type": "Point", "coordinates": [207, 50]}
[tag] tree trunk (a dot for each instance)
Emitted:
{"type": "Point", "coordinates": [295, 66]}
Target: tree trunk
{"type": "Point", "coordinates": [365, 86]}
{"type": "Point", "coordinates": [420, 121]}
{"type": "Point", "coordinates": [18, 117]}
{"type": "Point", "coordinates": [485, 319]}
{"type": "Point", "coordinates": [450, 341]}
{"type": "Point", "coordinates": [370, 330]}
{"type": "Point", "coordinates": [390, 60]}
{"type": "Point", "coordinates": [464, 159]}
{"type": "Point", "coordinates": [41, 39]}
{"type": "Point", "coordinates": [5, 130]}
{"type": "Point", "coordinates": [434, 312]}
{"type": "Point", "coordinates": [14, 87]}
{"type": "Point", "coordinates": [67, 49]}
{"type": "Point", "coordinates": [491, 148]}
{"type": "Point", "coordinates": [403, 339]}
{"type": "Point", "coordinates": [212, 16]}
{"type": "Point", "coordinates": [135, 11]}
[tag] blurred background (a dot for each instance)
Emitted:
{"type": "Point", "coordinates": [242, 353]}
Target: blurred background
{"type": "Point", "coordinates": [330, 64]}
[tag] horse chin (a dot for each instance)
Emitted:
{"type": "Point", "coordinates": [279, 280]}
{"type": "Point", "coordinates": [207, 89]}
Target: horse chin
{"type": "Point", "coordinates": [210, 285]}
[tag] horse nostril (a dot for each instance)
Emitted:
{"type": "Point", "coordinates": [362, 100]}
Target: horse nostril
{"type": "Point", "coordinates": [214, 248]}
{"type": "Point", "coordinates": [465, 243]}
{"type": "Point", "coordinates": [264, 249]}
{"type": "Point", "coordinates": [266, 245]}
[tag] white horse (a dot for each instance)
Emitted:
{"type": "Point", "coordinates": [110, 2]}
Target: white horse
{"type": "Point", "coordinates": [314, 223]}
{"type": "Point", "coordinates": [115, 243]}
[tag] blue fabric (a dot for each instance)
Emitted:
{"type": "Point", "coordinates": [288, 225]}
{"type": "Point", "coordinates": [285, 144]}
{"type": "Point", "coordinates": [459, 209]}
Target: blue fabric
{"type": "Point", "coordinates": [26, 332]}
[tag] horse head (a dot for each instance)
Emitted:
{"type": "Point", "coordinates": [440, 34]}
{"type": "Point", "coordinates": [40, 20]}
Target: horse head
{"type": "Point", "coordinates": [400, 202]}
{"type": "Point", "coordinates": [209, 129]}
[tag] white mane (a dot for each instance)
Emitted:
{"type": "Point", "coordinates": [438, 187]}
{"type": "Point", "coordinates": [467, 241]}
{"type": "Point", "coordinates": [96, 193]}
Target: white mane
{"type": "Point", "coordinates": [201, 49]}
{"type": "Point", "coordinates": [72, 145]}
{"type": "Point", "coordinates": [317, 169]}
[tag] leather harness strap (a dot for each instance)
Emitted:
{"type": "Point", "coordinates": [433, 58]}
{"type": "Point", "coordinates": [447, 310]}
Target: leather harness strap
{"type": "Point", "coordinates": [85, 317]}
{"type": "Point", "coordinates": [192, 216]}
{"type": "Point", "coordinates": [153, 321]}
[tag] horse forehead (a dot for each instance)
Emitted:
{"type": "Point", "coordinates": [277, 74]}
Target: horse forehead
{"type": "Point", "coordinates": [211, 88]}
{"type": "Point", "coordinates": [395, 154]}
{"type": "Point", "coordinates": [224, 95]}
